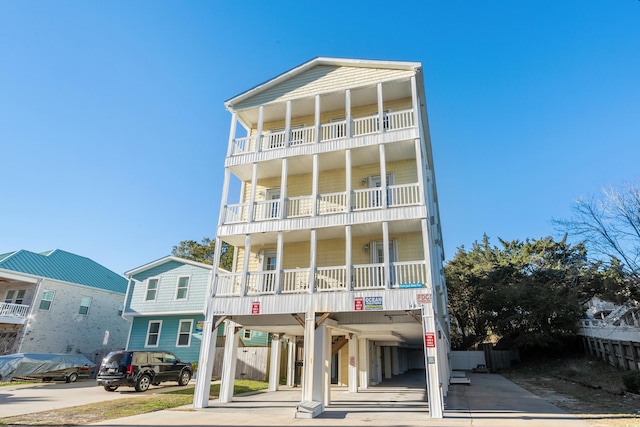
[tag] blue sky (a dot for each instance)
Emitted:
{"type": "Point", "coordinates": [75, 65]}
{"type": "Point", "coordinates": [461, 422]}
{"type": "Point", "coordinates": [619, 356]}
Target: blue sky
{"type": "Point", "coordinates": [113, 130]}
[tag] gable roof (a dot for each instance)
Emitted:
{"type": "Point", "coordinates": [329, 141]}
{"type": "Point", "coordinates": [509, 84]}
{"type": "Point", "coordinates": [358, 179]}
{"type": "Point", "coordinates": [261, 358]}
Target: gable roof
{"type": "Point", "coordinates": [324, 66]}
{"type": "Point", "coordinates": [64, 266]}
{"type": "Point", "coordinates": [165, 260]}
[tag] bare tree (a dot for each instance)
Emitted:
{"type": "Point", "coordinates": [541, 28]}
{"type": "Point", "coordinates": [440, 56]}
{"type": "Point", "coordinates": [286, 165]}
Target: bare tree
{"type": "Point", "coordinates": [609, 223]}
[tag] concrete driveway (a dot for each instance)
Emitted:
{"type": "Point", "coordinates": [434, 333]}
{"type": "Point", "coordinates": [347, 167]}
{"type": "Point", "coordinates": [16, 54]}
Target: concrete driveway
{"type": "Point", "coordinates": [37, 397]}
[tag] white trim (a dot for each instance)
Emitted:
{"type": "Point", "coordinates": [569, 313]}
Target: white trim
{"type": "Point", "coordinates": [186, 296]}
{"type": "Point", "coordinates": [146, 337]}
{"type": "Point", "coordinates": [50, 301]}
{"type": "Point", "coordinates": [165, 260]}
{"type": "Point", "coordinates": [88, 306]}
{"type": "Point", "coordinates": [179, 333]}
{"type": "Point", "coordinates": [146, 289]}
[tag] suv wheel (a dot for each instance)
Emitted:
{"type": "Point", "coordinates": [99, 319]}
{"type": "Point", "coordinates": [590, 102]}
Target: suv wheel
{"type": "Point", "coordinates": [143, 383]}
{"type": "Point", "coordinates": [185, 376]}
{"type": "Point", "coordinates": [110, 387]}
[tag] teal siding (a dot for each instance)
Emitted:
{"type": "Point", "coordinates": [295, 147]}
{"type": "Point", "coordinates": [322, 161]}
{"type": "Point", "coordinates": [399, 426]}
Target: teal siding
{"type": "Point", "coordinates": [168, 336]}
{"type": "Point", "coordinates": [168, 274]}
{"type": "Point", "coordinates": [258, 339]}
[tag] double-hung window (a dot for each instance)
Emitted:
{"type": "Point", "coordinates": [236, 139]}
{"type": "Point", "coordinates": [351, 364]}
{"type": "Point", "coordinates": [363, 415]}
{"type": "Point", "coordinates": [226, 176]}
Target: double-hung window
{"type": "Point", "coordinates": [153, 333]}
{"type": "Point", "coordinates": [47, 299]}
{"type": "Point", "coordinates": [152, 289]}
{"type": "Point", "coordinates": [184, 333]}
{"type": "Point", "coordinates": [15, 296]}
{"type": "Point", "coordinates": [182, 289]}
{"type": "Point", "coordinates": [84, 305]}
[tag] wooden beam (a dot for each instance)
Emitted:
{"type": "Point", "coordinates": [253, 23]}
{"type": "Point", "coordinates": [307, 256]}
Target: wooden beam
{"type": "Point", "coordinates": [322, 319]}
{"type": "Point", "coordinates": [298, 319]}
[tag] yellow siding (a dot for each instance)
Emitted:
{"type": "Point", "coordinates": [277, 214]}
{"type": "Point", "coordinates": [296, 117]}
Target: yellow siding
{"type": "Point", "coordinates": [343, 369]}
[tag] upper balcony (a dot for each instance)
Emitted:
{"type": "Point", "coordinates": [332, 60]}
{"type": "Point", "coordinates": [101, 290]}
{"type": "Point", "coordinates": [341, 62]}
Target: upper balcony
{"type": "Point", "coordinates": [13, 313]}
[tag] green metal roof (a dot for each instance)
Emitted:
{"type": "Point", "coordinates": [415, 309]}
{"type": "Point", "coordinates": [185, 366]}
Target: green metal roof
{"type": "Point", "coordinates": [65, 266]}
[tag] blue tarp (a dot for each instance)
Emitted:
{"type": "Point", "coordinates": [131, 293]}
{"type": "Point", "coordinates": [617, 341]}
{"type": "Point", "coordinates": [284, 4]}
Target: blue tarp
{"type": "Point", "coordinates": [29, 364]}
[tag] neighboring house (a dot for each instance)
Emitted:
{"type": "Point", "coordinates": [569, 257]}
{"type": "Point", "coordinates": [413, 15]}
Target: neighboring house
{"type": "Point", "coordinates": [336, 227]}
{"type": "Point", "coordinates": [59, 302]}
{"type": "Point", "coordinates": [165, 304]}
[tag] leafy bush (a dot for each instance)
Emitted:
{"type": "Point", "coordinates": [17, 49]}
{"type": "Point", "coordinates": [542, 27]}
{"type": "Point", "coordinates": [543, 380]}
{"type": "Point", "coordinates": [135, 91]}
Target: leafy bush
{"type": "Point", "coordinates": [631, 381]}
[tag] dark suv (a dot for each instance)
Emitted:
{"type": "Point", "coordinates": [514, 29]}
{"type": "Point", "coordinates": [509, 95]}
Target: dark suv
{"type": "Point", "coordinates": [140, 369]}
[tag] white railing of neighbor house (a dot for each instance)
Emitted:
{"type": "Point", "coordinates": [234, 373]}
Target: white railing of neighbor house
{"type": "Point", "coordinates": [331, 278]}
{"type": "Point", "coordinates": [8, 309]}
{"type": "Point", "coordinates": [409, 274]}
{"type": "Point", "coordinates": [295, 280]}
{"type": "Point", "coordinates": [368, 276]}
{"type": "Point", "coordinates": [328, 132]}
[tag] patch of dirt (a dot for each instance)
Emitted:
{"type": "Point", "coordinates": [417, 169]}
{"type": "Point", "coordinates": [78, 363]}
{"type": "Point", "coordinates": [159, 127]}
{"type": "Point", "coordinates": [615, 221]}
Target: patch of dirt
{"type": "Point", "coordinates": [591, 389]}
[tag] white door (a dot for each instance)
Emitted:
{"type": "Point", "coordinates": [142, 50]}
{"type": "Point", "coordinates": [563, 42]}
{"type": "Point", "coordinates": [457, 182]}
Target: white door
{"type": "Point", "coordinates": [272, 209]}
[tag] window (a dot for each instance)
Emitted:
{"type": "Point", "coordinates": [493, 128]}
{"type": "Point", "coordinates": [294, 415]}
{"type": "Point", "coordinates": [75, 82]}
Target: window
{"type": "Point", "coordinates": [153, 333]}
{"type": "Point", "coordinates": [120, 309]}
{"type": "Point", "coordinates": [9, 297]}
{"type": "Point", "coordinates": [20, 296]}
{"type": "Point", "coordinates": [183, 287]}
{"type": "Point", "coordinates": [152, 290]}
{"type": "Point", "coordinates": [246, 334]}
{"type": "Point", "coordinates": [184, 333]}
{"type": "Point", "coordinates": [84, 306]}
{"type": "Point", "coordinates": [47, 299]}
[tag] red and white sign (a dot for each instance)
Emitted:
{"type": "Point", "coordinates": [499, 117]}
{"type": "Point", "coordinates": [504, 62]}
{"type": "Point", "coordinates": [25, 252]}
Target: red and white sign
{"type": "Point", "coordinates": [358, 303]}
{"type": "Point", "coordinates": [255, 307]}
{"type": "Point", "coordinates": [430, 340]}
{"type": "Point", "coordinates": [423, 298]}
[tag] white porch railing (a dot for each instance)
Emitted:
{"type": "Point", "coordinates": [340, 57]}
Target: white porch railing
{"type": "Point", "coordinates": [243, 145]}
{"type": "Point", "coordinates": [229, 284]}
{"type": "Point", "coordinates": [299, 206]}
{"type": "Point", "coordinates": [366, 125]}
{"type": "Point", "coordinates": [367, 198]}
{"type": "Point", "coordinates": [331, 278]}
{"type": "Point", "coordinates": [266, 209]}
{"type": "Point", "coordinates": [368, 276]}
{"type": "Point", "coordinates": [404, 195]}
{"type": "Point", "coordinates": [8, 309]}
{"type": "Point", "coordinates": [261, 282]}
{"type": "Point", "coordinates": [295, 280]}
{"type": "Point", "coordinates": [302, 136]}
{"type": "Point", "coordinates": [332, 203]}
{"type": "Point", "coordinates": [273, 140]}
{"type": "Point", "coordinates": [236, 213]}
{"type": "Point", "coordinates": [334, 130]}
{"type": "Point", "coordinates": [398, 120]}
{"type": "Point", "coordinates": [409, 274]}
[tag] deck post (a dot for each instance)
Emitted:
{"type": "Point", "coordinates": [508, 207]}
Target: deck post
{"type": "Point", "coordinates": [228, 376]}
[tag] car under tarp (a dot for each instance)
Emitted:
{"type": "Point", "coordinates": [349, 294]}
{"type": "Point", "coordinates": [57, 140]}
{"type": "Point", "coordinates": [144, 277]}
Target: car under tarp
{"type": "Point", "coordinates": [43, 365]}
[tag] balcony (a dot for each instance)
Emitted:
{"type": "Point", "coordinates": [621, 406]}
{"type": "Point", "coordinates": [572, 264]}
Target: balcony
{"type": "Point", "coordinates": [13, 313]}
{"type": "Point", "coordinates": [329, 203]}
{"type": "Point", "coordinates": [326, 132]}
{"type": "Point", "coordinates": [408, 274]}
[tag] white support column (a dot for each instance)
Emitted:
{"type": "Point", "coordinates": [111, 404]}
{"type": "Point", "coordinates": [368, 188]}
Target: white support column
{"type": "Point", "coordinates": [387, 258]}
{"type": "Point", "coordinates": [380, 109]}
{"type": "Point", "coordinates": [252, 194]}
{"type": "Point", "coordinates": [348, 180]}
{"type": "Point", "coordinates": [291, 361]}
{"type": "Point", "coordinates": [415, 102]}
{"type": "Point", "coordinates": [274, 363]}
{"type": "Point", "coordinates": [279, 257]}
{"type": "Point", "coordinates": [316, 121]}
{"type": "Point", "coordinates": [384, 185]}
{"type": "Point", "coordinates": [313, 247]}
{"type": "Point", "coordinates": [353, 363]}
{"type": "Point", "coordinates": [387, 362]}
{"type": "Point", "coordinates": [245, 264]}
{"type": "Point", "coordinates": [378, 363]}
{"type": "Point", "coordinates": [347, 102]}
{"type": "Point", "coordinates": [434, 391]}
{"type": "Point", "coordinates": [419, 168]}
{"type": "Point", "coordinates": [259, 130]}
{"type": "Point", "coordinates": [225, 196]}
{"type": "Point", "coordinates": [395, 363]}
{"type": "Point", "coordinates": [205, 362]}
{"type": "Point", "coordinates": [363, 362]}
{"type": "Point", "coordinates": [287, 124]}
{"type": "Point", "coordinates": [314, 185]}
{"type": "Point", "coordinates": [283, 188]}
{"type": "Point", "coordinates": [309, 350]}
{"type": "Point", "coordinates": [232, 133]}
{"type": "Point", "coordinates": [227, 379]}
{"type": "Point", "coordinates": [348, 257]}
{"type": "Point", "coordinates": [325, 337]}
{"type": "Point", "coordinates": [426, 244]}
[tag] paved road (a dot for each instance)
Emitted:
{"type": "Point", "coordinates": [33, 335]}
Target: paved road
{"type": "Point", "coordinates": [37, 397]}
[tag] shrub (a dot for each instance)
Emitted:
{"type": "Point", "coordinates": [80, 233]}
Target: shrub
{"type": "Point", "coordinates": [631, 381]}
